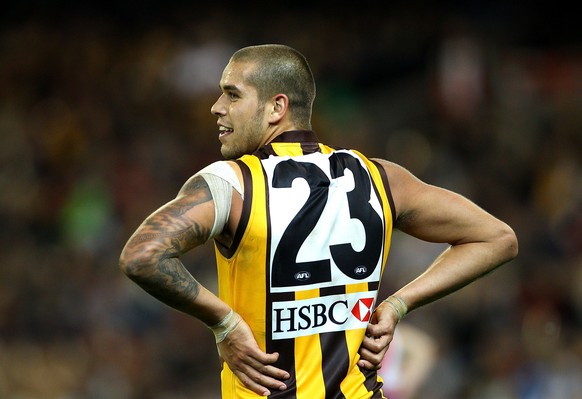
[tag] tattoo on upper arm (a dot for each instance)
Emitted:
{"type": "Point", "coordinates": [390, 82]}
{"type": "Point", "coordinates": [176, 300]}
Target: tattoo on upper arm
{"type": "Point", "coordinates": [196, 183]}
{"type": "Point", "coordinates": [169, 227]}
{"type": "Point", "coordinates": [139, 238]}
{"type": "Point", "coordinates": [172, 234]}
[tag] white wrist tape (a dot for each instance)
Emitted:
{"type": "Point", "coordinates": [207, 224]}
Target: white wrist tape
{"type": "Point", "coordinates": [398, 305]}
{"type": "Point", "coordinates": [225, 326]}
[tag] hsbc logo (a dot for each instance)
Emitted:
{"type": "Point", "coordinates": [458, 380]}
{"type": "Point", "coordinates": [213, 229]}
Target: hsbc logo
{"type": "Point", "coordinates": [362, 310]}
{"type": "Point", "coordinates": [312, 316]}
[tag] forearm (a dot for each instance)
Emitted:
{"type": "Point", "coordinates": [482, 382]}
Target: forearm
{"type": "Point", "coordinates": [169, 281]}
{"type": "Point", "coordinates": [456, 267]}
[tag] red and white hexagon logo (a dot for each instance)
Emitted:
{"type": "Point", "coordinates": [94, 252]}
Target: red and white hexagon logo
{"type": "Point", "coordinates": [362, 310]}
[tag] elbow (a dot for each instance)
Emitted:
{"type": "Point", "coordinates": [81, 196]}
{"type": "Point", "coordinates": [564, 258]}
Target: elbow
{"type": "Point", "coordinates": [134, 263]}
{"type": "Point", "coordinates": [508, 244]}
{"type": "Point", "coordinates": [129, 264]}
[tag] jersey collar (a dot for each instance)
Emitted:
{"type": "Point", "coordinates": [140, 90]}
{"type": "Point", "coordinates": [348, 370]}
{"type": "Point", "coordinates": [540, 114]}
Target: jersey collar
{"type": "Point", "coordinates": [296, 136]}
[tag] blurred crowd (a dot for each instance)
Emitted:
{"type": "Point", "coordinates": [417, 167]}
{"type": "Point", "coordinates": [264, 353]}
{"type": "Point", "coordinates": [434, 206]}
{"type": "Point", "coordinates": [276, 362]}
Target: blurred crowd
{"type": "Point", "coordinates": [103, 116]}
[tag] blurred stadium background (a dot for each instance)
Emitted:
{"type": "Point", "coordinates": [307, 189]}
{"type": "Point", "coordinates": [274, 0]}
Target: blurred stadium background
{"type": "Point", "coordinates": [104, 112]}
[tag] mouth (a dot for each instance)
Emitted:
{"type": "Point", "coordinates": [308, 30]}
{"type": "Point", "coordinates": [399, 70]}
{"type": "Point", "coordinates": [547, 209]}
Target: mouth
{"type": "Point", "coordinates": [224, 131]}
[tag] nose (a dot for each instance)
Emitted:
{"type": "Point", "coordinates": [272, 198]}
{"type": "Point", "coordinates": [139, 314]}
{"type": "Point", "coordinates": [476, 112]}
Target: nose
{"type": "Point", "coordinates": [218, 108]}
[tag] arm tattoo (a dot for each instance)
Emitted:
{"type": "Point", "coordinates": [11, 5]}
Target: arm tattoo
{"type": "Point", "coordinates": [197, 183]}
{"type": "Point", "coordinates": [172, 284]}
{"type": "Point", "coordinates": [161, 226]}
{"type": "Point", "coordinates": [140, 238]}
{"type": "Point", "coordinates": [167, 234]}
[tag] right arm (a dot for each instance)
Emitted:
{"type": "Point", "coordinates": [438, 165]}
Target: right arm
{"type": "Point", "coordinates": [151, 258]}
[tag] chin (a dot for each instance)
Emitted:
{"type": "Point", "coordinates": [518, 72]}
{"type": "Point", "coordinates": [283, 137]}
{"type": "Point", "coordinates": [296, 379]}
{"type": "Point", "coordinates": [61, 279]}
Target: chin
{"type": "Point", "coordinates": [228, 154]}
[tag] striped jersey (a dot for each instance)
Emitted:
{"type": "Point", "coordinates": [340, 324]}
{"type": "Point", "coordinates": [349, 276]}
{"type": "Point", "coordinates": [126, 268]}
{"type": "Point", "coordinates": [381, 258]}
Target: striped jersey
{"type": "Point", "coordinates": [306, 263]}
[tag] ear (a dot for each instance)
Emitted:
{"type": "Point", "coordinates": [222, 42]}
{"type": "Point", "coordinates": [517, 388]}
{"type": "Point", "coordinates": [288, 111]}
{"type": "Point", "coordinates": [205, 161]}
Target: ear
{"type": "Point", "coordinates": [280, 104]}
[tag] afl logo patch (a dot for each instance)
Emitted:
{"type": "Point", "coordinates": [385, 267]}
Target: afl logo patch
{"type": "Point", "coordinates": [302, 276]}
{"type": "Point", "coordinates": [359, 270]}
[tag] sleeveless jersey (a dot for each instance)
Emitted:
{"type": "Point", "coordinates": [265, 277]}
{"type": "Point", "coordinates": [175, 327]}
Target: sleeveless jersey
{"type": "Point", "coordinates": [306, 263]}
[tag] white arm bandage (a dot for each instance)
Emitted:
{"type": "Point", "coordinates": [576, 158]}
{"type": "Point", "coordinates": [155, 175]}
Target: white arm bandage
{"type": "Point", "coordinates": [398, 304]}
{"type": "Point", "coordinates": [225, 326]}
{"type": "Point", "coordinates": [221, 179]}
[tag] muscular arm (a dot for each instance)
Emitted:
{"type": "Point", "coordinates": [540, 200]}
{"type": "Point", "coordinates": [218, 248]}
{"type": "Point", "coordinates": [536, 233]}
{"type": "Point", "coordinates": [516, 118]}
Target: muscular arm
{"type": "Point", "coordinates": [479, 243]}
{"type": "Point", "coordinates": [151, 259]}
{"type": "Point", "coordinates": [151, 256]}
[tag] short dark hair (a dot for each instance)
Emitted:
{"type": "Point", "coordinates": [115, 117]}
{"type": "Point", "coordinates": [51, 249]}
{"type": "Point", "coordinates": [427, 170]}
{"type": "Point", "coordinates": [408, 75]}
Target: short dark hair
{"type": "Point", "coordinates": [282, 69]}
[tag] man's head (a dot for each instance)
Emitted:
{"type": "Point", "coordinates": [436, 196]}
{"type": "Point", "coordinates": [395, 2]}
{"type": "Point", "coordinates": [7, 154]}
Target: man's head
{"type": "Point", "coordinates": [266, 90]}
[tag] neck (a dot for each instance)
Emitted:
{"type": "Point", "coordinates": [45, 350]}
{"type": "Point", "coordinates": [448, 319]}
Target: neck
{"type": "Point", "coordinates": [276, 130]}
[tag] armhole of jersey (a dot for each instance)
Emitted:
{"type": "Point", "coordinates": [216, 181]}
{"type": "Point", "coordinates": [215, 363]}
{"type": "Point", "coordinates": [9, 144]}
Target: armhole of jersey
{"type": "Point", "coordinates": [388, 191]}
{"type": "Point", "coordinates": [228, 252]}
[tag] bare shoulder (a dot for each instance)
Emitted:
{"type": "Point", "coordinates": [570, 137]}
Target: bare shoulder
{"type": "Point", "coordinates": [395, 171]}
{"type": "Point", "coordinates": [405, 187]}
{"type": "Point", "coordinates": [436, 214]}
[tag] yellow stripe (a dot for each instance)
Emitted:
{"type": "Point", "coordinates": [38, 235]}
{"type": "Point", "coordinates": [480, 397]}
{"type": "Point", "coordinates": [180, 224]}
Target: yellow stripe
{"type": "Point", "coordinates": [325, 149]}
{"type": "Point", "coordinates": [237, 282]}
{"type": "Point", "coordinates": [377, 177]}
{"type": "Point", "coordinates": [257, 221]}
{"type": "Point", "coordinates": [291, 149]}
{"type": "Point", "coordinates": [309, 381]}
